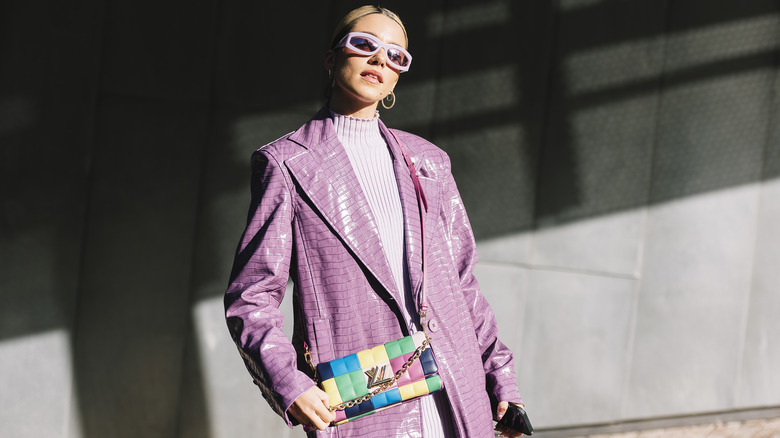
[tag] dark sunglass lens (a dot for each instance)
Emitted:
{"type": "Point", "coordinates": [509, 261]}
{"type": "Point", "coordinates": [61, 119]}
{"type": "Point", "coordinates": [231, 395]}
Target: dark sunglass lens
{"type": "Point", "coordinates": [397, 57]}
{"type": "Point", "coordinates": [364, 44]}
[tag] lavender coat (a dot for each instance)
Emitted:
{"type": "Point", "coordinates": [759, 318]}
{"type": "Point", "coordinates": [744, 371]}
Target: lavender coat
{"type": "Point", "coordinates": [309, 220]}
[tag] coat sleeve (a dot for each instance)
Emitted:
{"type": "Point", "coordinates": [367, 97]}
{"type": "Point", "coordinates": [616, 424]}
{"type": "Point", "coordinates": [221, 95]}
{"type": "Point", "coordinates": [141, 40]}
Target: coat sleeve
{"type": "Point", "coordinates": [497, 359]}
{"type": "Point", "coordinates": [257, 285]}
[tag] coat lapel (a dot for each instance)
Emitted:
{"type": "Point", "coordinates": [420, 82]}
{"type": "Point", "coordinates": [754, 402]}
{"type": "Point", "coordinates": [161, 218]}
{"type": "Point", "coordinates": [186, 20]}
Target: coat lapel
{"type": "Point", "coordinates": [412, 228]}
{"type": "Point", "coordinates": [325, 175]}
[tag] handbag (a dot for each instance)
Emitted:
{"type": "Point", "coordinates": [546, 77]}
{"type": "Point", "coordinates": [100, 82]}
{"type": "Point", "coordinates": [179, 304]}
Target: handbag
{"type": "Point", "coordinates": [388, 374]}
{"type": "Point", "coordinates": [381, 377]}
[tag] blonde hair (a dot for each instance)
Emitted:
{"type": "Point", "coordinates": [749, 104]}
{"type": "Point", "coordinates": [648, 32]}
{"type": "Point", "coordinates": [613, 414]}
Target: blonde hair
{"type": "Point", "coordinates": [348, 22]}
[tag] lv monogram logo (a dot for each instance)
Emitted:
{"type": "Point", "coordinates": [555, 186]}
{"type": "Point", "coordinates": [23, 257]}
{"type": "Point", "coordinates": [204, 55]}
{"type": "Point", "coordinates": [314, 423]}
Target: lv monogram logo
{"type": "Point", "coordinates": [376, 376]}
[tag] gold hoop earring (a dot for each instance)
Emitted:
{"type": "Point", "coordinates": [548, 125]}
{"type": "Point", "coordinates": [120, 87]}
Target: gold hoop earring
{"type": "Point", "coordinates": [390, 98]}
{"type": "Point", "coordinates": [330, 74]}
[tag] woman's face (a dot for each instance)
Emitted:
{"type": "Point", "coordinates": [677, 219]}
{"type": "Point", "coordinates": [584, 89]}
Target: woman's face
{"type": "Point", "coordinates": [362, 81]}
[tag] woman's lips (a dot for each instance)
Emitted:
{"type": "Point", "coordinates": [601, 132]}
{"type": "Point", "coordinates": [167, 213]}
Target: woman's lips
{"type": "Point", "coordinates": [372, 76]}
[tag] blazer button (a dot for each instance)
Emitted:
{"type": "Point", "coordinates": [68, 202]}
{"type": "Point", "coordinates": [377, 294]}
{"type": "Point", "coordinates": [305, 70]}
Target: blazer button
{"type": "Point", "coordinates": [433, 325]}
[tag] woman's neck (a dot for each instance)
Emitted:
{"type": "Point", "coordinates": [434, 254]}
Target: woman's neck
{"type": "Point", "coordinates": [351, 107]}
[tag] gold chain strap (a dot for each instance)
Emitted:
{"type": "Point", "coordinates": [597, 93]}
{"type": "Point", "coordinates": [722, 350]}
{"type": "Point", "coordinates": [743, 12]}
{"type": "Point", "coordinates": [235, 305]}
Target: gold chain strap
{"type": "Point", "coordinates": [383, 387]}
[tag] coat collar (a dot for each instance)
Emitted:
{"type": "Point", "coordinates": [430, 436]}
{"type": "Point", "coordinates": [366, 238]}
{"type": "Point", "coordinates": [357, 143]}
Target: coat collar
{"type": "Point", "coordinates": [316, 131]}
{"type": "Point", "coordinates": [325, 175]}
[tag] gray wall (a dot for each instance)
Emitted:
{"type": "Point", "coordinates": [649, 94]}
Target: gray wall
{"type": "Point", "coordinates": [620, 161]}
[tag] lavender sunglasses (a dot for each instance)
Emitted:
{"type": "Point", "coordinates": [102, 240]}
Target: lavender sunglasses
{"type": "Point", "coordinates": [366, 44]}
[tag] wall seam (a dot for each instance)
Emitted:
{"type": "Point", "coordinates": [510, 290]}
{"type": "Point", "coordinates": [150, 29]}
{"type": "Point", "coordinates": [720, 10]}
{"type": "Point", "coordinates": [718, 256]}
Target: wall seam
{"type": "Point", "coordinates": [89, 168]}
{"type": "Point", "coordinates": [552, 50]}
{"type": "Point", "coordinates": [534, 267]}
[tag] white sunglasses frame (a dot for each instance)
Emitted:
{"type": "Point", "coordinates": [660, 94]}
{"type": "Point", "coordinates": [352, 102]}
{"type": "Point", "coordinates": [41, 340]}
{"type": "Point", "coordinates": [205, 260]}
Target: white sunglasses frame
{"type": "Point", "coordinates": [344, 42]}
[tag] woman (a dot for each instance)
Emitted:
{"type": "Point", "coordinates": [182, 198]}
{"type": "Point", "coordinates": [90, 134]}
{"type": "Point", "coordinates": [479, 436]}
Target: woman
{"type": "Point", "coordinates": [334, 208]}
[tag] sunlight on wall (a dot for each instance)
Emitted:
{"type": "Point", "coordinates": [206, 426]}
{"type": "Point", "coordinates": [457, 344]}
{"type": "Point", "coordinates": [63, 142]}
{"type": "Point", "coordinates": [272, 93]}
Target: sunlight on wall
{"type": "Point", "coordinates": [469, 18]}
{"type": "Point", "coordinates": [621, 63]}
{"type": "Point", "coordinates": [36, 377]}
{"type": "Point", "coordinates": [234, 405]}
{"type": "Point", "coordinates": [475, 92]}
{"type": "Point", "coordinates": [678, 271]}
{"type": "Point", "coordinates": [572, 5]}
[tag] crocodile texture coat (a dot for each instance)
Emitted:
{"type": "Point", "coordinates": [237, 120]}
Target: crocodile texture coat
{"type": "Point", "coordinates": [309, 221]}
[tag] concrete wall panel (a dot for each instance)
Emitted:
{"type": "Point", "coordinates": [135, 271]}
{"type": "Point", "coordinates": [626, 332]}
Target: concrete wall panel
{"type": "Point", "coordinates": [225, 195]}
{"type": "Point", "coordinates": [713, 120]}
{"type": "Point", "coordinates": [600, 137]}
{"type": "Point", "coordinates": [483, 114]}
{"type": "Point", "coordinates": [497, 190]}
{"type": "Point", "coordinates": [254, 67]}
{"type": "Point", "coordinates": [506, 287]}
{"type": "Point", "coordinates": [234, 406]}
{"type": "Point", "coordinates": [610, 244]}
{"type": "Point", "coordinates": [159, 50]}
{"type": "Point", "coordinates": [712, 131]}
{"type": "Point", "coordinates": [48, 84]}
{"type": "Point", "coordinates": [137, 271]}
{"type": "Point", "coordinates": [575, 345]}
{"type": "Point", "coordinates": [759, 380]}
{"type": "Point", "coordinates": [36, 377]}
{"type": "Point", "coordinates": [696, 275]}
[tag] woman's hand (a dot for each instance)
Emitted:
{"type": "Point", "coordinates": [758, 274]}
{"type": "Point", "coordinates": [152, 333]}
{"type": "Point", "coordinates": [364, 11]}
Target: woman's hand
{"type": "Point", "coordinates": [311, 409]}
{"type": "Point", "coordinates": [505, 431]}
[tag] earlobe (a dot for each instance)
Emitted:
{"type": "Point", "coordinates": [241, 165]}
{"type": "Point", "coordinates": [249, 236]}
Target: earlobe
{"type": "Point", "coordinates": [330, 60]}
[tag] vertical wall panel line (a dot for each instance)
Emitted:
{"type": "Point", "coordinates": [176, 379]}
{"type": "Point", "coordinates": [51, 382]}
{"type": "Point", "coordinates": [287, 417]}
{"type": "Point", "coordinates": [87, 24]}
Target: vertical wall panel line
{"type": "Point", "coordinates": [89, 170]}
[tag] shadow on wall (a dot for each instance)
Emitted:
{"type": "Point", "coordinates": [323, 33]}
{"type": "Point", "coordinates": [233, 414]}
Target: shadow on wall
{"type": "Point", "coordinates": [603, 106]}
{"type": "Point", "coordinates": [123, 196]}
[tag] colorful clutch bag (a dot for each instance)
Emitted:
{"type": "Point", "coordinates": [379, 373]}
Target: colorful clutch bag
{"type": "Point", "coordinates": [381, 377]}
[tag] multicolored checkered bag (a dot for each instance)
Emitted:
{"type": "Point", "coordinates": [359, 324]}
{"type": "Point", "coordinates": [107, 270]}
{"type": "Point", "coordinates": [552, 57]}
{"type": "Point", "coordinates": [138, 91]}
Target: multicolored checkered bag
{"type": "Point", "coordinates": [378, 378]}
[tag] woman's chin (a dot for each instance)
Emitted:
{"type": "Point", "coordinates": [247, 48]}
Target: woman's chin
{"type": "Point", "coordinates": [356, 100]}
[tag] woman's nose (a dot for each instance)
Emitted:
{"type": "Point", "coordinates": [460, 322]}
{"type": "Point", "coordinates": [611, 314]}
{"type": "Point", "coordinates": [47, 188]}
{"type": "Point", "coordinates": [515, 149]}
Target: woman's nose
{"type": "Point", "coordinates": [379, 58]}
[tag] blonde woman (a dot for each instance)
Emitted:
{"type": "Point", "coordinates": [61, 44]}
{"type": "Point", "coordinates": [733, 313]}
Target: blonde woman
{"type": "Point", "coordinates": [334, 207]}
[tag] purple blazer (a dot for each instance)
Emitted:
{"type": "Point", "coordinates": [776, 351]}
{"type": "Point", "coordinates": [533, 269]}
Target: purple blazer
{"type": "Point", "coordinates": [309, 220]}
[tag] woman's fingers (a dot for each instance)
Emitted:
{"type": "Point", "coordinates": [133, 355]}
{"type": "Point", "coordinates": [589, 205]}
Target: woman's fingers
{"type": "Point", "coordinates": [502, 407]}
{"type": "Point", "coordinates": [329, 416]}
{"type": "Point", "coordinates": [311, 408]}
{"type": "Point", "coordinates": [505, 431]}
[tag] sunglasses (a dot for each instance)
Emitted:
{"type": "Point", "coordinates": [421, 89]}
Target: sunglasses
{"type": "Point", "coordinates": [366, 44]}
